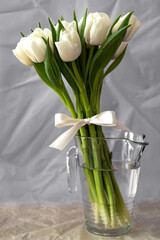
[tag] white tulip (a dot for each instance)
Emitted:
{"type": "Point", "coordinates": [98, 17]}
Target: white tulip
{"type": "Point", "coordinates": [32, 49]}
{"type": "Point", "coordinates": [119, 50]}
{"type": "Point", "coordinates": [135, 24]}
{"type": "Point", "coordinates": [35, 48]}
{"type": "Point", "coordinates": [69, 45]}
{"type": "Point", "coordinates": [96, 28]}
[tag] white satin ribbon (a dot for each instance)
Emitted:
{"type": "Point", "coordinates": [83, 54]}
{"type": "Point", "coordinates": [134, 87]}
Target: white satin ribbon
{"type": "Point", "coordinates": [107, 119]}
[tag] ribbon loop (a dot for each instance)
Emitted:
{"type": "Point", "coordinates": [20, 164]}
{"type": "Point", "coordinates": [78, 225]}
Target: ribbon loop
{"type": "Point", "coordinates": [62, 120]}
{"type": "Point", "coordinates": [107, 119]}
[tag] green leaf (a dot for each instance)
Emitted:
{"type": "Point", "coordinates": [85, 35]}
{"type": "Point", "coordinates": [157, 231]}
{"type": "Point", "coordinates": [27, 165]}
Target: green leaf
{"type": "Point", "coordinates": [117, 39]}
{"type": "Point", "coordinates": [89, 58]}
{"type": "Point", "coordinates": [53, 70]}
{"type": "Point", "coordinates": [44, 71]}
{"type": "Point", "coordinates": [50, 71]}
{"type": "Point", "coordinates": [44, 40]}
{"type": "Point", "coordinates": [126, 20]}
{"type": "Point", "coordinates": [75, 19]}
{"type": "Point", "coordinates": [115, 63]}
{"type": "Point", "coordinates": [70, 78]}
{"type": "Point", "coordinates": [39, 25]}
{"type": "Point", "coordinates": [67, 72]}
{"type": "Point", "coordinates": [62, 18]}
{"type": "Point", "coordinates": [108, 52]}
{"type": "Point", "coordinates": [83, 26]}
{"type": "Point", "coordinates": [60, 27]}
{"type": "Point", "coordinates": [122, 26]}
{"type": "Point", "coordinates": [105, 53]}
{"type": "Point", "coordinates": [114, 23]}
{"type": "Point", "coordinates": [54, 75]}
{"type": "Point", "coordinates": [22, 34]}
{"type": "Point", "coordinates": [40, 69]}
{"type": "Point", "coordinates": [124, 23]}
{"type": "Point", "coordinates": [112, 46]}
{"type": "Point", "coordinates": [82, 57]}
{"type": "Point", "coordinates": [53, 31]}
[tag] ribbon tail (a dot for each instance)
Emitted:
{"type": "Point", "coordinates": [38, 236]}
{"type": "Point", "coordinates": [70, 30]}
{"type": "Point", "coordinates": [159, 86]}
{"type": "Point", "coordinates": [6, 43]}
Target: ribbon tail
{"type": "Point", "coordinates": [121, 126]}
{"type": "Point", "coordinates": [62, 141]}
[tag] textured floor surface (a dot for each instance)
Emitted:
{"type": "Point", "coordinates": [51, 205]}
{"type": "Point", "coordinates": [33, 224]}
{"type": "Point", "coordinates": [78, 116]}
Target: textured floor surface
{"type": "Point", "coordinates": [45, 222]}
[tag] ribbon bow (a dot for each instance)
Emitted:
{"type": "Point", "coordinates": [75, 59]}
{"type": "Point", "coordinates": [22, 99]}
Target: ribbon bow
{"type": "Point", "coordinates": [107, 119]}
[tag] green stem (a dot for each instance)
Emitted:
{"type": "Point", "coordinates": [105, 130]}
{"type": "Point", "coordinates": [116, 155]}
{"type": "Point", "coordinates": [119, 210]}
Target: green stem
{"type": "Point", "coordinates": [118, 201]}
{"type": "Point", "coordinates": [106, 177]}
{"type": "Point", "coordinates": [109, 189]}
{"type": "Point", "coordinates": [95, 150]}
{"type": "Point", "coordinates": [69, 105]}
{"type": "Point", "coordinates": [96, 91]}
{"type": "Point", "coordinates": [85, 150]}
{"type": "Point", "coordinates": [99, 90]}
{"type": "Point", "coordinates": [111, 196]}
{"type": "Point", "coordinates": [80, 83]}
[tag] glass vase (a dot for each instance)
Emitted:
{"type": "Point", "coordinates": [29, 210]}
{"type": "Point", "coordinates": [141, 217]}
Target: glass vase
{"type": "Point", "coordinates": [108, 185]}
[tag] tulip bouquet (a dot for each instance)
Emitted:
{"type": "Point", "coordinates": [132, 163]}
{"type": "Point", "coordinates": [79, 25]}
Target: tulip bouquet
{"type": "Point", "coordinates": [83, 53]}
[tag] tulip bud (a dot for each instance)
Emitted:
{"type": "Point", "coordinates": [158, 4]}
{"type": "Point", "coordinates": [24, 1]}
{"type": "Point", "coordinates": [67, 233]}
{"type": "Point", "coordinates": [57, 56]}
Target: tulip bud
{"type": "Point", "coordinates": [119, 50]}
{"type": "Point", "coordinates": [96, 28]}
{"type": "Point", "coordinates": [69, 45]}
{"type": "Point", "coordinates": [32, 49]}
{"type": "Point", "coordinates": [135, 24]}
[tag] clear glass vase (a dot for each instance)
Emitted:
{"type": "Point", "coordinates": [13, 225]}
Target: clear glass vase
{"type": "Point", "coordinates": [109, 171]}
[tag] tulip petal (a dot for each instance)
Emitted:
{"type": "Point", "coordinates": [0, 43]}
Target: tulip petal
{"type": "Point", "coordinates": [119, 50]}
{"type": "Point", "coordinates": [65, 50]}
{"type": "Point", "coordinates": [72, 25]}
{"type": "Point", "coordinates": [80, 24]}
{"type": "Point", "coordinates": [98, 31]}
{"type": "Point", "coordinates": [38, 32]}
{"type": "Point", "coordinates": [24, 42]}
{"type": "Point", "coordinates": [38, 48]}
{"type": "Point", "coordinates": [69, 45]}
{"type": "Point", "coordinates": [133, 31]}
{"type": "Point", "coordinates": [48, 34]}
{"type": "Point", "coordinates": [21, 56]}
{"type": "Point", "coordinates": [87, 31]}
{"type": "Point", "coordinates": [65, 24]}
{"type": "Point", "coordinates": [132, 21]}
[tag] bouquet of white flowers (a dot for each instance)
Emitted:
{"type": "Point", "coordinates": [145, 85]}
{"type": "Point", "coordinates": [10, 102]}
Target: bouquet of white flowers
{"type": "Point", "coordinates": [83, 53]}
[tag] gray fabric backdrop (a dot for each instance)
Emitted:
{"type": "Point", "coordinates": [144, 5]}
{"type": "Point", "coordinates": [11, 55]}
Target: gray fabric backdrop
{"type": "Point", "coordinates": [29, 170]}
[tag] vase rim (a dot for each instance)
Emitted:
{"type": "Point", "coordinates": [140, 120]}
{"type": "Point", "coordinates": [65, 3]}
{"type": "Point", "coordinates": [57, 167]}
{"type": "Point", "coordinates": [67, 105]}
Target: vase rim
{"type": "Point", "coordinates": [137, 138]}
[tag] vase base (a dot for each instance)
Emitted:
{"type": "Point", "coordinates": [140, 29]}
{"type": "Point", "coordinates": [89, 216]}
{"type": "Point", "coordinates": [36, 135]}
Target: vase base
{"type": "Point", "coordinates": [107, 232]}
